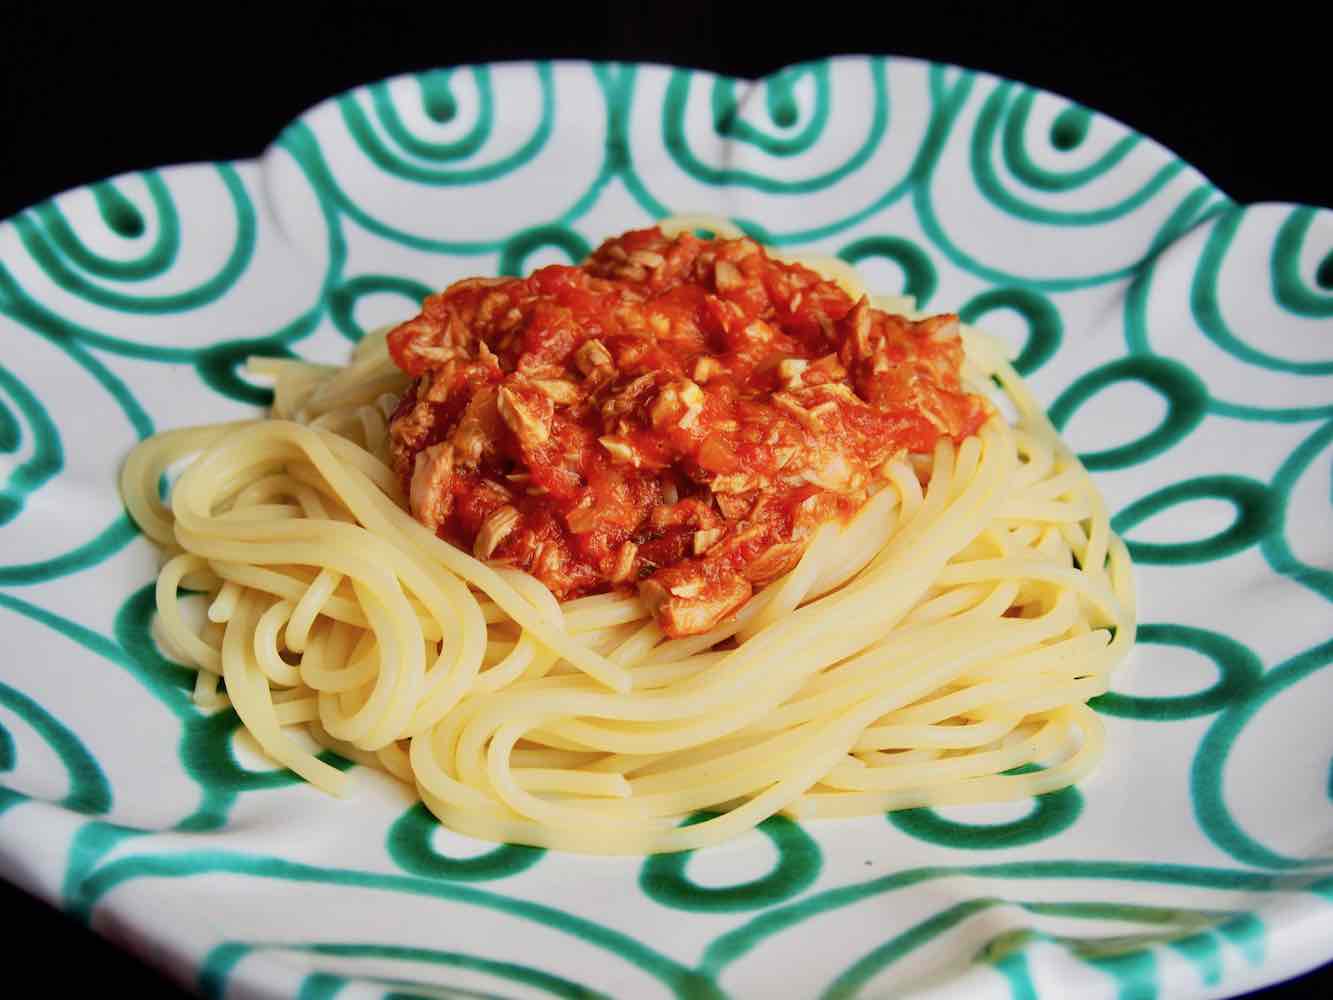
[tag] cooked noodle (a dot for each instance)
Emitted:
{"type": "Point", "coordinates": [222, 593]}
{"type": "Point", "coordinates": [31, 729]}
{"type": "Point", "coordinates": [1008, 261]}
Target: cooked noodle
{"type": "Point", "coordinates": [949, 633]}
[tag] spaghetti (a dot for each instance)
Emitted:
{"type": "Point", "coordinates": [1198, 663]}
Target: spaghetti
{"type": "Point", "coordinates": [918, 652]}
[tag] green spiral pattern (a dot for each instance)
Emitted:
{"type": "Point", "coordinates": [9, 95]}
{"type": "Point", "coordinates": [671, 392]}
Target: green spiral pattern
{"type": "Point", "coordinates": [1181, 341]}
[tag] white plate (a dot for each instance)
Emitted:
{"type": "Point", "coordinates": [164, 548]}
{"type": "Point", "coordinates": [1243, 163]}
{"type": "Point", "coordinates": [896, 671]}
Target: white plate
{"type": "Point", "coordinates": [1182, 340]}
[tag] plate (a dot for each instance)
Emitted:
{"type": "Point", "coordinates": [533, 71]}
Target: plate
{"type": "Point", "coordinates": [1179, 339]}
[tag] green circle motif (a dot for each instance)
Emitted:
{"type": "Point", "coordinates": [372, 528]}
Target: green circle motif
{"type": "Point", "coordinates": [1185, 394]}
{"type": "Point", "coordinates": [410, 847]}
{"type": "Point", "coordinates": [519, 247]}
{"type": "Point", "coordinates": [1288, 289]}
{"type": "Point", "coordinates": [47, 458]}
{"type": "Point", "coordinates": [10, 433]}
{"type": "Point", "coordinates": [118, 212]}
{"type": "Point", "coordinates": [134, 634]}
{"type": "Point", "coordinates": [783, 111]}
{"type": "Point", "coordinates": [676, 138]}
{"type": "Point", "coordinates": [1323, 274]}
{"type": "Point", "coordinates": [1205, 297]}
{"type": "Point", "coordinates": [89, 790]}
{"type": "Point", "coordinates": [8, 752]}
{"type": "Point", "coordinates": [1050, 814]}
{"type": "Point", "coordinates": [387, 159]}
{"type": "Point", "coordinates": [57, 250]}
{"type": "Point", "coordinates": [1003, 120]}
{"type": "Point", "coordinates": [1045, 328]}
{"type": "Point", "coordinates": [919, 277]}
{"type": "Point", "coordinates": [125, 219]}
{"type": "Point", "coordinates": [219, 367]}
{"type": "Point", "coordinates": [1238, 667]}
{"type": "Point", "coordinates": [1070, 128]}
{"type": "Point", "coordinates": [440, 105]}
{"type": "Point", "coordinates": [1257, 510]}
{"type": "Point", "coordinates": [1208, 770]}
{"type": "Point", "coordinates": [437, 97]}
{"type": "Point", "coordinates": [209, 743]}
{"type": "Point", "coordinates": [221, 962]}
{"type": "Point", "coordinates": [1276, 549]}
{"type": "Point", "coordinates": [207, 751]}
{"type": "Point", "coordinates": [343, 299]}
{"type": "Point", "coordinates": [664, 878]}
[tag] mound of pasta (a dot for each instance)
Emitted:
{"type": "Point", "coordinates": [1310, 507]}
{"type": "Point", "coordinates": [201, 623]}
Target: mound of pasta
{"type": "Point", "coordinates": [688, 527]}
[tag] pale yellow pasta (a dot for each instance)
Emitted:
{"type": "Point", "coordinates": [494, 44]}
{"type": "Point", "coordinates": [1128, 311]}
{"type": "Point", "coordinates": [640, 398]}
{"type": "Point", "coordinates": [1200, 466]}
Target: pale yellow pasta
{"type": "Point", "coordinates": [952, 631]}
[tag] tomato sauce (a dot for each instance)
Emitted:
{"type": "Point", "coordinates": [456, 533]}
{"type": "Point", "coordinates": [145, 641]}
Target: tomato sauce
{"type": "Point", "coordinates": [676, 414]}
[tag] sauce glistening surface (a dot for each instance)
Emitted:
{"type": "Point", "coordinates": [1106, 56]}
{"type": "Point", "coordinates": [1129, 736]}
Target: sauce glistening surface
{"type": "Point", "coordinates": [676, 414]}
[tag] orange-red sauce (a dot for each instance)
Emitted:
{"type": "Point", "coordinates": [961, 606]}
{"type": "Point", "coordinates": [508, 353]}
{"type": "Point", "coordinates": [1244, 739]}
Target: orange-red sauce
{"type": "Point", "coordinates": [677, 414]}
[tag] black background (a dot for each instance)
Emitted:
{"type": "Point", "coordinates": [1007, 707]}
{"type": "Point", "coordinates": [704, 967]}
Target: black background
{"type": "Point", "coordinates": [87, 95]}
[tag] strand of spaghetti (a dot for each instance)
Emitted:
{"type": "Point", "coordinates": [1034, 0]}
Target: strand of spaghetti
{"type": "Point", "coordinates": [310, 605]}
{"type": "Point", "coordinates": [648, 812]}
{"type": "Point", "coordinates": [1055, 694]}
{"type": "Point", "coordinates": [361, 382]}
{"type": "Point", "coordinates": [856, 545]}
{"type": "Point", "coordinates": [267, 654]}
{"type": "Point", "coordinates": [928, 683]}
{"type": "Point", "coordinates": [1067, 483]}
{"type": "Point", "coordinates": [916, 677]}
{"type": "Point", "coordinates": [913, 679]}
{"type": "Point", "coordinates": [910, 495]}
{"type": "Point", "coordinates": [563, 760]}
{"type": "Point", "coordinates": [896, 756]}
{"type": "Point", "coordinates": [223, 605]}
{"type": "Point", "coordinates": [693, 731]}
{"type": "Point", "coordinates": [177, 633]}
{"type": "Point", "coordinates": [833, 743]}
{"type": "Point", "coordinates": [440, 788]}
{"type": "Point", "coordinates": [296, 712]}
{"type": "Point", "coordinates": [993, 788]}
{"type": "Point", "coordinates": [205, 692]}
{"type": "Point", "coordinates": [974, 764]}
{"type": "Point", "coordinates": [465, 675]}
{"type": "Point", "coordinates": [783, 597]}
{"type": "Point", "coordinates": [294, 380]}
{"type": "Point", "coordinates": [250, 696]}
{"type": "Point", "coordinates": [942, 737]}
{"type": "Point", "coordinates": [1033, 414]}
{"type": "Point", "coordinates": [971, 698]}
{"type": "Point", "coordinates": [324, 671]}
{"type": "Point", "coordinates": [937, 607]}
{"type": "Point", "coordinates": [351, 752]}
{"type": "Point", "coordinates": [567, 782]}
{"type": "Point", "coordinates": [981, 623]}
{"type": "Point", "coordinates": [1094, 591]}
{"type": "Point", "coordinates": [1084, 652]}
{"type": "Point", "coordinates": [147, 464]}
{"type": "Point", "coordinates": [964, 621]}
{"type": "Point", "coordinates": [397, 683]}
{"type": "Point", "coordinates": [289, 583]}
{"type": "Point", "coordinates": [329, 535]}
{"type": "Point", "coordinates": [610, 609]}
{"type": "Point", "coordinates": [1048, 510]}
{"type": "Point", "coordinates": [393, 758]}
{"type": "Point", "coordinates": [493, 583]}
{"type": "Point", "coordinates": [381, 516]}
